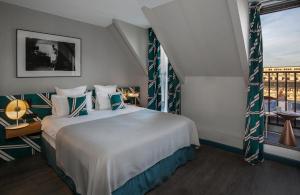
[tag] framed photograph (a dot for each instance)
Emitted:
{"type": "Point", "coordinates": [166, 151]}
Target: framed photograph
{"type": "Point", "coordinates": [47, 55]}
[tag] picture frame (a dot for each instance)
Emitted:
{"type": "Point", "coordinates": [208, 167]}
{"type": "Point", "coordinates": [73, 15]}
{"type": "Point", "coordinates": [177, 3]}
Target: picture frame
{"type": "Point", "coordinates": [47, 55]}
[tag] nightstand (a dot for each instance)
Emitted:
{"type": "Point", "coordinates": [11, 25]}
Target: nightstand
{"type": "Point", "coordinates": [34, 127]}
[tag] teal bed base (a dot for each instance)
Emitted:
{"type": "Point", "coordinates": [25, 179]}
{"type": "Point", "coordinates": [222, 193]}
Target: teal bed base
{"type": "Point", "coordinates": [139, 184]}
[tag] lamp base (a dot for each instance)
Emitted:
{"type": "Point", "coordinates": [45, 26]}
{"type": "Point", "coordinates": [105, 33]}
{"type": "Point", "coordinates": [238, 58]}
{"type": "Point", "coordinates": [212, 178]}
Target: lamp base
{"type": "Point", "coordinates": [19, 126]}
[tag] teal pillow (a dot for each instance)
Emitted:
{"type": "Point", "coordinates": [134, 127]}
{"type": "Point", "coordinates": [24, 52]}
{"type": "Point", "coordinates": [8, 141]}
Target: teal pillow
{"type": "Point", "coordinates": [77, 106]}
{"type": "Point", "coordinates": [116, 101]}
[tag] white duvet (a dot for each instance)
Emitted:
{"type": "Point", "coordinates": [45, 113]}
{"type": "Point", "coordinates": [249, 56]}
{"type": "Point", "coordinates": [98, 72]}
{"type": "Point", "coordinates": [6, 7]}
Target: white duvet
{"type": "Point", "coordinates": [102, 155]}
{"type": "Point", "coordinates": [51, 124]}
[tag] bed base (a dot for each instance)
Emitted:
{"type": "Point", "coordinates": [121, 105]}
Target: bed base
{"type": "Point", "coordinates": [139, 184]}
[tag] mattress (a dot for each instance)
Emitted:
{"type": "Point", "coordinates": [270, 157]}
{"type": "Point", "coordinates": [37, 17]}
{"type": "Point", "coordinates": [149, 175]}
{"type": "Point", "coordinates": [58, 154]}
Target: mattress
{"type": "Point", "coordinates": [51, 125]}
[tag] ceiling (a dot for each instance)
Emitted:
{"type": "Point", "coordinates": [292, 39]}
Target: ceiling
{"type": "Point", "coordinates": [97, 12]}
{"type": "Point", "coordinates": [198, 37]}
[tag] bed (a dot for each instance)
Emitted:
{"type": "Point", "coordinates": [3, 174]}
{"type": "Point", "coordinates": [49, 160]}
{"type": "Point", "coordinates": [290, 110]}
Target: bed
{"type": "Point", "coordinates": [127, 151]}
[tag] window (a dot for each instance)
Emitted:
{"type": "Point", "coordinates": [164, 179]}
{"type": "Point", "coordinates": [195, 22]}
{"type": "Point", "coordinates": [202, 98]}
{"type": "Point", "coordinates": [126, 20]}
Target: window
{"type": "Point", "coordinates": [164, 79]}
{"type": "Point", "coordinates": [281, 47]}
{"type": "Point", "coordinates": [281, 39]}
{"type": "Point", "coordinates": [281, 58]}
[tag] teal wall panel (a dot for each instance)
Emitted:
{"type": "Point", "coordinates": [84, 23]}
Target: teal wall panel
{"type": "Point", "coordinates": [40, 106]}
{"type": "Point", "coordinates": [11, 149]}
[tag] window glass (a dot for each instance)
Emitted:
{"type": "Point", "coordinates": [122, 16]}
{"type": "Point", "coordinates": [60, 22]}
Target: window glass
{"type": "Point", "coordinates": [164, 80]}
{"type": "Point", "coordinates": [281, 38]}
{"type": "Point", "coordinates": [281, 55]}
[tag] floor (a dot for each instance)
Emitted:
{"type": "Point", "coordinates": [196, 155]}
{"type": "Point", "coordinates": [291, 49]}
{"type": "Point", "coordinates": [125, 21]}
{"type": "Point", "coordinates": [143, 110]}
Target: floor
{"type": "Point", "coordinates": [273, 139]}
{"type": "Point", "coordinates": [214, 172]}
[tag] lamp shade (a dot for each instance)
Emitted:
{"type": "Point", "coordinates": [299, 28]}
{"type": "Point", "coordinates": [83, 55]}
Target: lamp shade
{"type": "Point", "coordinates": [16, 109]}
{"type": "Point", "coordinates": [133, 95]}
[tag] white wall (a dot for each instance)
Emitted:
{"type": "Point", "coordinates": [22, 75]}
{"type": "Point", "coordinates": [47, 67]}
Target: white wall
{"type": "Point", "coordinates": [243, 10]}
{"type": "Point", "coordinates": [105, 59]}
{"type": "Point", "coordinates": [239, 12]}
{"type": "Point", "coordinates": [136, 40]}
{"type": "Point", "coordinates": [217, 105]}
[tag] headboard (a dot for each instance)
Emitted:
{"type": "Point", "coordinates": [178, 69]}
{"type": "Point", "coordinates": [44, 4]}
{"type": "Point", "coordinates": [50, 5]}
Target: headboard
{"type": "Point", "coordinates": [40, 106]}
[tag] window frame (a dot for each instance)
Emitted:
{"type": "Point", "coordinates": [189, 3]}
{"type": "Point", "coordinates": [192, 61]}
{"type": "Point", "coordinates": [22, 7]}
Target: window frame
{"type": "Point", "coordinates": [276, 6]}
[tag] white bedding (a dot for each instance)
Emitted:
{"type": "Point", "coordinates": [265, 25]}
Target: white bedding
{"type": "Point", "coordinates": [102, 167]}
{"type": "Point", "coordinates": [52, 124]}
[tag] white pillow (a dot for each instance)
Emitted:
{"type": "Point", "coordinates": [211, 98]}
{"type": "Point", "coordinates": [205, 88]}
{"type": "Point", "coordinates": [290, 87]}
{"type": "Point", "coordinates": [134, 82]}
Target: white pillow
{"type": "Point", "coordinates": [89, 101]}
{"type": "Point", "coordinates": [77, 91]}
{"type": "Point", "coordinates": [103, 102]}
{"type": "Point", "coordinates": [102, 92]}
{"type": "Point", "coordinates": [60, 105]}
{"type": "Point", "coordinates": [108, 89]}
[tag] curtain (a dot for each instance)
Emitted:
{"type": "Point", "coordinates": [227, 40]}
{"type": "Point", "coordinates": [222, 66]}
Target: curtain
{"type": "Point", "coordinates": [253, 141]}
{"type": "Point", "coordinates": [174, 91]}
{"type": "Point", "coordinates": [154, 87]}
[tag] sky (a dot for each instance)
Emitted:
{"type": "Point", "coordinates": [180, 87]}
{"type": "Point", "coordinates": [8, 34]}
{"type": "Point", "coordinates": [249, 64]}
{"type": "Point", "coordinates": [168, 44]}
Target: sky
{"type": "Point", "coordinates": [281, 38]}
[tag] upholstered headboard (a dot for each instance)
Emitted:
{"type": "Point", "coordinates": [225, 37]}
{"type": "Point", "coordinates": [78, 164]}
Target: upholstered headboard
{"type": "Point", "coordinates": [40, 106]}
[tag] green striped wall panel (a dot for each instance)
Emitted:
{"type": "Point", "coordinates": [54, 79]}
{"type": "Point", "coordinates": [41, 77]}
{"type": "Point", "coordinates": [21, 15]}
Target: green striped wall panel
{"type": "Point", "coordinates": [40, 105]}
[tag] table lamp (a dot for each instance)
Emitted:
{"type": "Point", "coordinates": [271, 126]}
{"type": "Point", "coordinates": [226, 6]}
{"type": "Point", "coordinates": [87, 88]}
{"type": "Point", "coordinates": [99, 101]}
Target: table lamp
{"type": "Point", "coordinates": [15, 110]}
{"type": "Point", "coordinates": [134, 95]}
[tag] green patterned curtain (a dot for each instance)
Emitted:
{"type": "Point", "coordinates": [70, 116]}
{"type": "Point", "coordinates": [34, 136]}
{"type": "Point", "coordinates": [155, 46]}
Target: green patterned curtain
{"type": "Point", "coordinates": [253, 141]}
{"type": "Point", "coordinates": [154, 88]}
{"type": "Point", "coordinates": [174, 92]}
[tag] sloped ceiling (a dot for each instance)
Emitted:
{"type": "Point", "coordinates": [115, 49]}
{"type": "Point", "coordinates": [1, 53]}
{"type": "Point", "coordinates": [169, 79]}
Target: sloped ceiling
{"type": "Point", "coordinates": [136, 39]}
{"type": "Point", "coordinates": [198, 36]}
{"type": "Point", "coordinates": [97, 12]}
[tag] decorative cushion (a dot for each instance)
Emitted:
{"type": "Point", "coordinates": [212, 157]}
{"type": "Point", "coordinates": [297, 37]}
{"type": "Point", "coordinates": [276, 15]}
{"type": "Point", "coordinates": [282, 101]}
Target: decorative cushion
{"type": "Point", "coordinates": [77, 91]}
{"type": "Point", "coordinates": [102, 93]}
{"type": "Point", "coordinates": [60, 105]}
{"type": "Point", "coordinates": [77, 106]}
{"type": "Point", "coordinates": [116, 101]}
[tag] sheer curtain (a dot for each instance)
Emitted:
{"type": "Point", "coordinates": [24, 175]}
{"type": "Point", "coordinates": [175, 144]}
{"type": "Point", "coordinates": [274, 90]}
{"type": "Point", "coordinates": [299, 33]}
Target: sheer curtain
{"type": "Point", "coordinates": [164, 79]}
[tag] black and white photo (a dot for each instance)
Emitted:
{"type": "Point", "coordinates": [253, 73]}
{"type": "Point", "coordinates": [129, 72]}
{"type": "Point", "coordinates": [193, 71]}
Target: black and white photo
{"type": "Point", "coordinates": [46, 55]}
